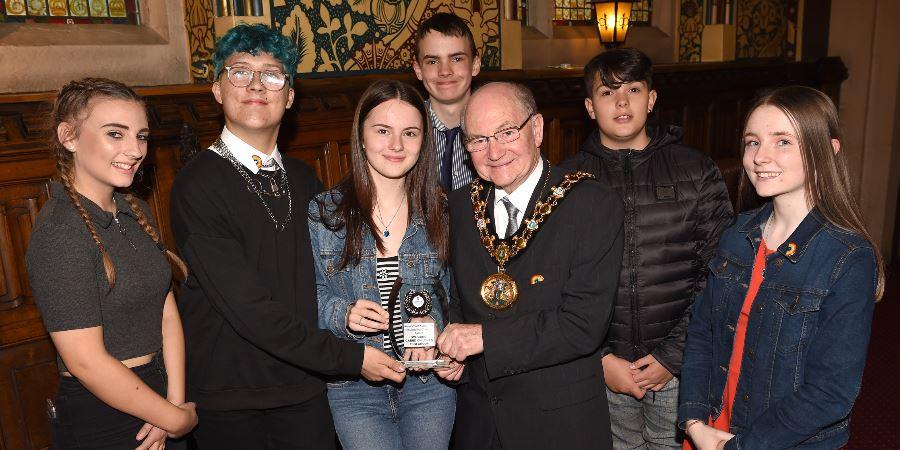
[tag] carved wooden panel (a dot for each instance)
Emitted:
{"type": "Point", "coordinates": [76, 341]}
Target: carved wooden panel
{"type": "Point", "coordinates": [342, 161]}
{"type": "Point", "coordinates": [27, 380]}
{"type": "Point", "coordinates": [19, 204]}
{"type": "Point", "coordinates": [16, 219]}
{"type": "Point", "coordinates": [315, 156]}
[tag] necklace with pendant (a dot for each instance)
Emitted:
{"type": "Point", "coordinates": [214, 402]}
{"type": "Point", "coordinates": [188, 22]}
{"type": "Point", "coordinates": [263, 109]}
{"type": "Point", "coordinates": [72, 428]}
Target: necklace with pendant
{"type": "Point", "coordinates": [386, 232]}
{"type": "Point", "coordinates": [256, 187]}
{"type": "Point", "coordinates": [121, 227]}
{"type": "Point", "coordinates": [499, 290]}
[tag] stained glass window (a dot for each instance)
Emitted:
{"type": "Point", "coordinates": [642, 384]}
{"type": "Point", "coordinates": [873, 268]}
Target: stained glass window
{"type": "Point", "coordinates": [581, 12]}
{"type": "Point", "coordinates": [70, 11]}
{"type": "Point", "coordinates": [640, 13]}
{"type": "Point", "coordinates": [573, 12]}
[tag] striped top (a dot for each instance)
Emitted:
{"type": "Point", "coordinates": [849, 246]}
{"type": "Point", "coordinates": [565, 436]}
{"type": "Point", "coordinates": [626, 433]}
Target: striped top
{"type": "Point", "coordinates": [386, 272]}
{"type": "Point", "coordinates": [462, 171]}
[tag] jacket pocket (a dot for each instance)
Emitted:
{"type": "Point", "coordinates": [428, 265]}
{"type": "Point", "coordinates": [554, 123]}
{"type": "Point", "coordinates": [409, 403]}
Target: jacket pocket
{"type": "Point", "coordinates": [725, 275]}
{"type": "Point", "coordinates": [330, 262]}
{"type": "Point", "coordinates": [571, 394]}
{"type": "Point", "coordinates": [798, 313]}
{"type": "Point", "coordinates": [336, 278]}
{"type": "Point", "coordinates": [431, 265]}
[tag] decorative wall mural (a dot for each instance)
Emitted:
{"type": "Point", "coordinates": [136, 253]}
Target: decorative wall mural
{"type": "Point", "coordinates": [365, 35]}
{"type": "Point", "coordinates": [690, 26]}
{"type": "Point", "coordinates": [763, 29]}
{"type": "Point", "coordinates": [198, 19]}
{"type": "Point", "coordinates": [352, 35]}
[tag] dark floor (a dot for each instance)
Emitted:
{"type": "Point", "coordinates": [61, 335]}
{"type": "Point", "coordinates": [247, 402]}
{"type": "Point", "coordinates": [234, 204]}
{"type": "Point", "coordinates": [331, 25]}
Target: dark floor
{"type": "Point", "coordinates": [875, 423]}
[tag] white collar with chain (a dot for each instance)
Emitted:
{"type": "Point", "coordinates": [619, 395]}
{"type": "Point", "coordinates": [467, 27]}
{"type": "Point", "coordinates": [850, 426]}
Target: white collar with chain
{"type": "Point", "coordinates": [249, 157]}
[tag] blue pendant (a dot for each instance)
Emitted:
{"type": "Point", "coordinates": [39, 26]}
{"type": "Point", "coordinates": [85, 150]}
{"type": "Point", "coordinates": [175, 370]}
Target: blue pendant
{"type": "Point", "coordinates": [386, 233]}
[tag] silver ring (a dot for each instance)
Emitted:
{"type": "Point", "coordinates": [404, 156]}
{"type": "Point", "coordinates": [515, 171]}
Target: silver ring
{"type": "Point", "coordinates": [360, 321]}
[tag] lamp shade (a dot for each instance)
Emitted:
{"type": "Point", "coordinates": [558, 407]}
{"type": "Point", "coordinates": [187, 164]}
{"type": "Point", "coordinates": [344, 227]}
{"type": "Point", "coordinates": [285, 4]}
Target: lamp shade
{"type": "Point", "coordinates": [612, 20]}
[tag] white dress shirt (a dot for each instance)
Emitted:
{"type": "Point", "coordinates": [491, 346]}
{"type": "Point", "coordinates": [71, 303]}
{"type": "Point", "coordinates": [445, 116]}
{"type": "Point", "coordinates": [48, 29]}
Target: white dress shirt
{"type": "Point", "coordinates": [249, 157]}
{"type": "Point", "coordinates": [519, 198]}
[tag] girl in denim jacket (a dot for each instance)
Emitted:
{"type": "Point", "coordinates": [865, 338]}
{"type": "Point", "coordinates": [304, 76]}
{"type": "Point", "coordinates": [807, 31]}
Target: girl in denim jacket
{"type": "Point", "coordinates": [380, 244]}
{"type": "Point", "coordinates": [777, 342]}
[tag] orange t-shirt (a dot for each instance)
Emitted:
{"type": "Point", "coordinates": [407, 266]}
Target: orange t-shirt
{"type": "Point", "coordinates": [723, 422]}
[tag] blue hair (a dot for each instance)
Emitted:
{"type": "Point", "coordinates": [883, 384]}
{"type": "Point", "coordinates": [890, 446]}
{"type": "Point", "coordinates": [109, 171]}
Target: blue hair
{"type": "Point", "coordinates": [256, 39]}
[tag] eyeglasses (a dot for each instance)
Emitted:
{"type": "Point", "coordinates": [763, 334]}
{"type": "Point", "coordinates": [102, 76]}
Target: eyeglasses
{"type": "Point", "coordinates": [239, 76]}
{"type": "Point", "coordinates": [504, 136]}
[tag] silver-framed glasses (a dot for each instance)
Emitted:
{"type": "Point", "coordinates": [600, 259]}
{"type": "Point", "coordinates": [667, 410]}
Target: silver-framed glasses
{"type": "Point", "coordinates": [242, 76]}
{"type": "Point", "coordinates": [505, 136]}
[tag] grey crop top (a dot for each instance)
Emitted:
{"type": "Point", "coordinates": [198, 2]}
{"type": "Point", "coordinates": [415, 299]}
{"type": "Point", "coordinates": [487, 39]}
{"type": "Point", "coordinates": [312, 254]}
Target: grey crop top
{"type": "Point", "coordinates": [69, 283]}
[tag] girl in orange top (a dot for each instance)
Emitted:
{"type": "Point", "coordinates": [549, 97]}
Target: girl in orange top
{"type": "Point", "coordinates": [777, 341]}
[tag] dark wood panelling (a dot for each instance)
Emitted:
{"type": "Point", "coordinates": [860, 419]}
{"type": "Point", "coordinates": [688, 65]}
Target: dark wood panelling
{"type": "Point", "coordinates": [707, 100]}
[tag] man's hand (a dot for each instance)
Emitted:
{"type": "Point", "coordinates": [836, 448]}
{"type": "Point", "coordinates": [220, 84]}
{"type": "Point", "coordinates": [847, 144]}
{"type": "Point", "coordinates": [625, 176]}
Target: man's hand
{"type": "Point", "coordinates": [653, 376]}
{"type": "Point", "coordinates": [706, 437]}
{"type": "Point", "coordinates": [461, 340]}
{"type": "Point", "coordinates": [619, 379]}
{"type": "Point", "coordinates": [378, 366]}
{"type": "Point", "coordinates": [420, 353]}
{"type": "Point", "coordinates": [366, 316]}
{"type": "Point", "coordinates": [452, 373]}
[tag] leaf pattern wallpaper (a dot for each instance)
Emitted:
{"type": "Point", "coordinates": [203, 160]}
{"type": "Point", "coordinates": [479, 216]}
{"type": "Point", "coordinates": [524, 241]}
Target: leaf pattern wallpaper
{"type": "Point", "coordinates": [763, 29]}
{"type": "Point", "coordinates": [361, 36]}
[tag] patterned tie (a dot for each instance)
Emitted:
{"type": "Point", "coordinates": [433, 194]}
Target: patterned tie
{"type": "Point", "coordinates": [447, 158]}
{"type": "Point", "coordinates": [513, 213]}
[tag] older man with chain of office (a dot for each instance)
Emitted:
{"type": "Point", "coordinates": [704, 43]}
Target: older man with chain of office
{"type": "Point", "coordinates": [535, 253]}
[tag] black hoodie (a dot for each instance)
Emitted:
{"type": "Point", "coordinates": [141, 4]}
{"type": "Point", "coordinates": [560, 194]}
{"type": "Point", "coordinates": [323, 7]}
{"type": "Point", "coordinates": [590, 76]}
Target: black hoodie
{"type": "Point", "coordinates": [676, 206]}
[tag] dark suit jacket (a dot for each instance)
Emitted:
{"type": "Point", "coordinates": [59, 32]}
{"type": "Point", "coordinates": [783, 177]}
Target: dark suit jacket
{"type": "Point", "coordinates": [539, 382]}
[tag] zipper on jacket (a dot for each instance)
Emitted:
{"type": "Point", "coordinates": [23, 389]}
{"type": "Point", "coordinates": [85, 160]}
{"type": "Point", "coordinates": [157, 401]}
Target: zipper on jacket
{"type": "Point", "coordinates": [631, 249]}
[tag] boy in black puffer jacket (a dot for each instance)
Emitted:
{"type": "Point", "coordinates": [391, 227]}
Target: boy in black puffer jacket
{"type": "Point", "coordinates": [676, 205]}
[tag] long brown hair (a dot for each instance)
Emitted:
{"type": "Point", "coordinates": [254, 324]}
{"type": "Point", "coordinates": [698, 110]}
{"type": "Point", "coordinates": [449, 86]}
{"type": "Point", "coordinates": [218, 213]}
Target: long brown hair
{"type": "Point", "coordinates": [73, 104]}
{"type": "Point", "coordinates": [352, 212]}
{"type": "Point", "coordinates": [827, 183]}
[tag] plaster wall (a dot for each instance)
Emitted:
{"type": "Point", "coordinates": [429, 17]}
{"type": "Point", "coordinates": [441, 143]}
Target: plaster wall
{"type": "Point", "coordinates": [42, 57]}
{"type": "Point", "coordinates": [864, 34]}
{"type": "Point", "coordinates": [544, 44]}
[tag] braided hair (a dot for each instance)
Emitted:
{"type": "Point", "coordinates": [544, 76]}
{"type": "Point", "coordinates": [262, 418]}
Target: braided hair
{"type": "Point", "coordinates": [72, 105]}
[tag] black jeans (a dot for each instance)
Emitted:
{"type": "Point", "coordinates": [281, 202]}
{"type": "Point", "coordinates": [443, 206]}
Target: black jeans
{"type": "Point", "coordinates": [304, 426]}
{"type": "Point", "coordinates": [83, 421]}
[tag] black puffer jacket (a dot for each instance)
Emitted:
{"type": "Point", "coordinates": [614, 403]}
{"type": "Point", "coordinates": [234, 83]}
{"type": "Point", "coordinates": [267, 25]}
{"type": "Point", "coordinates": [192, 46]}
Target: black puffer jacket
{"type": "Point", "coordinates": [676, 205]}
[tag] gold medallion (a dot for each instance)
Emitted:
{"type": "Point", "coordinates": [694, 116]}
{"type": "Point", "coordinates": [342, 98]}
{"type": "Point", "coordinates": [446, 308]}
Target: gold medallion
{"type": "Point", "coordinates": [499, 291]}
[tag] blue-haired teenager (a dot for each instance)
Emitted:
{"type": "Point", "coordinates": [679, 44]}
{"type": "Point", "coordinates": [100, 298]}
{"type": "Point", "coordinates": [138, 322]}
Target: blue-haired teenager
{"type": "Point", "coordinates": [254, 352]}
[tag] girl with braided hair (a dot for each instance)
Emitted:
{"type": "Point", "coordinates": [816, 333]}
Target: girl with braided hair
{"type": "Point", "coordinates": [101, 278]}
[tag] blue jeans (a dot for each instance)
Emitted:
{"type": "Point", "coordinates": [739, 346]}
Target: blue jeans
{"type": "Point", "coordinates": [648, 423]}
{"type": "Point", "coordinates": [415, 415]}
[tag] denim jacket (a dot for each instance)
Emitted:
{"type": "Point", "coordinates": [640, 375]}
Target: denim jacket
{"type": "Point", "coordinates": [806, 339]}
{"type": "Point", "coordinates": [420, 269]}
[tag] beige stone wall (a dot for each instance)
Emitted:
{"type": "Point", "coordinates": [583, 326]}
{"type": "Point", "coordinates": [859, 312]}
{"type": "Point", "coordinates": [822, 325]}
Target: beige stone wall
{"type": "Point", "coordinates": [546, 45]}
{"type": "Point", "coordinates": [864, 33]}
{"type": "Point", "coordinates": [42, 57]}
